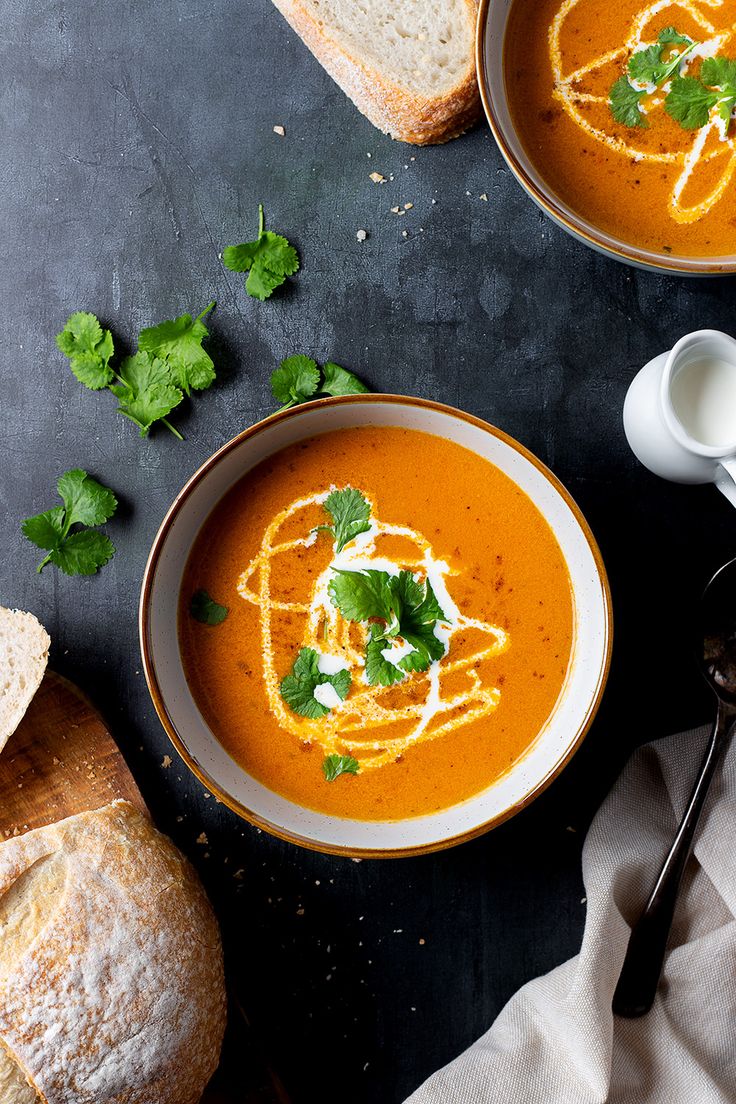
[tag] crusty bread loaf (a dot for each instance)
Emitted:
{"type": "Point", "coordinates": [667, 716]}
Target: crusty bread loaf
{"type": "Point", "coordinates": [408, 65]}
{"type": "Point", "coordinates": [24, 653]}
{"type": "Point", "coordinates": [111, 977]}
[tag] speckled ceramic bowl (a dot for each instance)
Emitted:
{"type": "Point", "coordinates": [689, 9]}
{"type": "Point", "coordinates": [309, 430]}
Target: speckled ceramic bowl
{"type": "Point", "coordinates": [225, 779]}
{"type": "Point", "coordinates": [489, 56]}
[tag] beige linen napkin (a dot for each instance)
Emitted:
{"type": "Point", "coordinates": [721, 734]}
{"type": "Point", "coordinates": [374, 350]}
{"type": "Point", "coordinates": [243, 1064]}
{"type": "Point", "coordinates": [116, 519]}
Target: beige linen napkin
{"type": "Point", "coordinates": [557, 1041]}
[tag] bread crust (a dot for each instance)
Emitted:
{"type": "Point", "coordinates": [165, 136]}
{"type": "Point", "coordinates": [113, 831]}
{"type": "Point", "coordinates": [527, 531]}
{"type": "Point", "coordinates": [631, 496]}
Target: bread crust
{"type": "Point", "coordinates": [116, 995]}
{"type": "Point", "coordinates": [24, 653]}
{"type": "Point", "coordinates": [393, 109]}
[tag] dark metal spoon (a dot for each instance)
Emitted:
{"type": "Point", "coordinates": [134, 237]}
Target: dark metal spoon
{"type": "Point", "coordinates": [642, 966]}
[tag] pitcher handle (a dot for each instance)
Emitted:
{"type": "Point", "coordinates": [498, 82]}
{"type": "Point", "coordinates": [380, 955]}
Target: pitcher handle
{"type": "Point", "coordinates": [726, 479]}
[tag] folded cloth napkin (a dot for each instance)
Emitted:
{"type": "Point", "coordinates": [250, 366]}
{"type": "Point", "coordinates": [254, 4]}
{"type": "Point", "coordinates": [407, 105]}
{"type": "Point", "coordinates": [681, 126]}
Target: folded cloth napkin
{"type": "Point", "coordinates": [557, 1041]}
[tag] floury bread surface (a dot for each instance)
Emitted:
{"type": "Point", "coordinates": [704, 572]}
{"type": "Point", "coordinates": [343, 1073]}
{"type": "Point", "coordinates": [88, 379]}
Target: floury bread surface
{"type": "Point", "coordinates": [111, 977]}
{"type": "Point", "coordinates": [408, 65]}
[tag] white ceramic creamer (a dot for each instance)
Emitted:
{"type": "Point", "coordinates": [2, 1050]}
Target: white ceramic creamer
{"type": "Point", "coordinates": [680, 412]}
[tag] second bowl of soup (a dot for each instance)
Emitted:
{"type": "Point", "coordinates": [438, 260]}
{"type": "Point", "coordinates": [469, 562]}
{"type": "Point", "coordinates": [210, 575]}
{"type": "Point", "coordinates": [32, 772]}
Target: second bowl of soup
{"type": "Point", "coordinates": [618, 119]}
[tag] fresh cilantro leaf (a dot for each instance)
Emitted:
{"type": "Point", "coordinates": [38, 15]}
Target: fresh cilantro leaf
{"type": "Point", "coordinates": [378, 670]}
{"type": "Point", "coordinates": [350, 513]}
{"type": "Point", "coordinates": [179, 343]}
{"type": "Point", "coordinates": [268, 260]}
{"type": "Point", "coordinates": [339, 381]}
{"type": "Point", "coordinates": [647, 67]}
{"type": "Point", "coordinates": [86, 502]}
{"type": "Point", "coordinates": [297, 689]}
{"type": "Point", "coordinates": [689, 103]}
{"type": "Point", "coordinates": [720, 73]}
{"type": "Point", "coordinates": [624, 102]}
{"type": "Point", "coordinates": [145, 390]}
{"type": "Point", "coordinates": [295, 380]}
{"type": "Point", "coordinates": [206, 609]}
{"type": "Point", "coordinates": [670, 36]}
{"type": "Point", "coordinates": [335, 765]}
{"type": "Point", "coordinates": [83, 552]}
{"type": "Point", "coordinates": [362, 595]}
{"type": "Point", "coordinates": [89, 349]}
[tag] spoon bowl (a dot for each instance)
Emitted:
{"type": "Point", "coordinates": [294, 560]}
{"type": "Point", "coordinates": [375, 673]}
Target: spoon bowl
{"type": "Point", "coordinates": [718, 623]}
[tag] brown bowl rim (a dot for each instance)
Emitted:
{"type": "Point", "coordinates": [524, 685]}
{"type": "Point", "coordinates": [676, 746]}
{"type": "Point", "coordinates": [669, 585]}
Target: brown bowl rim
{"type": "Point", "coordinates": [232, 803]}
{"type": "Point", "coordinates": [619, 250]}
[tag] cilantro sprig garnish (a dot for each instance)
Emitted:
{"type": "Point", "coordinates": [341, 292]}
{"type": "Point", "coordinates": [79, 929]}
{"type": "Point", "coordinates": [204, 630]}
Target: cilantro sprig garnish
{"type": "Point", "coordinates": [297, 689]}
{"type": "Point", "coordinates": [298, 379]}
{"type": "Point", "coordinates": [206, 610]}
{"type": "Point", "coordinates": [690, 100]}
{"type": "Point", "coordinates": [65, 532]}
{"type": "Point", "coordinates": [647, 70]}
{"type": "Point", "coordinates": [335, 765]}
{"type": "Point", "coordinates": [350, 512]}
{"type": "Point", "coordinates": [397, 607]}
{"type": "Point", "coordinates": [170, 363]}
{"type": "Point", "coordinates": [268, 260]}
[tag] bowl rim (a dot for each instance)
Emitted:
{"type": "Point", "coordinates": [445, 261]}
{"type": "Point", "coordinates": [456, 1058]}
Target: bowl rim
{"type": "Point", "coordinates": [210, 784]}
{"type": "Point", "coordinates": [579, 228]}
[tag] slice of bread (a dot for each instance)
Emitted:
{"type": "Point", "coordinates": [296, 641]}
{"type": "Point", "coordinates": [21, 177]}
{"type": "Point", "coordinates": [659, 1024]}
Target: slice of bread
{"type": "Point", "coordinates": [408, 65]}
{"type": "Point", "coordinates": [24, 653]}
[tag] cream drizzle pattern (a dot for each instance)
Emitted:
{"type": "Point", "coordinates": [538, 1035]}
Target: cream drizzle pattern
{"type": "Point", "coordinates": [351, 726]}
{"type": "Point", "coordinates": [574, 102]}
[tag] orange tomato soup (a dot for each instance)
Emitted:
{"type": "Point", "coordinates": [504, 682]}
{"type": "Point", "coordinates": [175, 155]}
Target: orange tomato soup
{"type": "Point", "coordinates": [459, 528]}
{"type": "Point", "coordinates": [658, 185]}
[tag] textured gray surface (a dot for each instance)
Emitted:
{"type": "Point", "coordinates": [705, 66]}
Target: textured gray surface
{"type": "Point", "coordinates": [137, 141]}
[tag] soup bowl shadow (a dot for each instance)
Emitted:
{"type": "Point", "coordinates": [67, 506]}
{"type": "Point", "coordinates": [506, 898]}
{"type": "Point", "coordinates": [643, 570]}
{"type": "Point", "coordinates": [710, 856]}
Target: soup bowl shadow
{"type": "Point", "coordinates": [227, 780]}
{"type": "Point", "coordinates": [490, 66]}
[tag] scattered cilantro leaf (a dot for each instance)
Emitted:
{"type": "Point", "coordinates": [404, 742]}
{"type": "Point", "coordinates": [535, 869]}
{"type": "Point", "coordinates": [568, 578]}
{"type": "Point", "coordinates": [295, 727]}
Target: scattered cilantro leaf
{"type": "Point", "coordinates": [689, 103]}
{"type": "Point", "coordinates": [335, 765]}
{"type": "Point", "coordinates": [646, 66]}
{"type": "Point", "coordinates": [145, 391]}
{"type": "Point", "coordinates": [298, 379]}
{"type": "Point", "coordinates": [206, 610]}
{"type": "Point", "coordinates": [297, 688]}
{"type": "Point", "coordinates": [350, 512]}
{"type": "Point", "coordinates": [339, 381]}
{"type": "Point", "coordinates": [268, 260]}
{"type": "Point", "coordinates": [295, 380]}
{"type": "Point", "coordinates": [624, 102]}
{"type": "Point", "coordinates": [86, 502]}
{"type": "Point", "coordinates": [179, 343]}
{"type": "Point", "coordinates": [89, 349]}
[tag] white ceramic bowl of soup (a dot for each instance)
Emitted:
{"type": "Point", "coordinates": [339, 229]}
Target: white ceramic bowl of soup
{"type": "Point", "coordinates": [490, 64]}
{"type": "Point", "coordinates": [229, 782]}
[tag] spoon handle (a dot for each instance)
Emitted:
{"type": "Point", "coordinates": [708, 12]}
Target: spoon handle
{"type": "Point", "coordinates": [642, 966]}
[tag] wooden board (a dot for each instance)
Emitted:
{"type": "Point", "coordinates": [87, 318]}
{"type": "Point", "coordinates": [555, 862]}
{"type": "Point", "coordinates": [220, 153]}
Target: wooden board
{"type": "Point", "coordinates": [61, 760]}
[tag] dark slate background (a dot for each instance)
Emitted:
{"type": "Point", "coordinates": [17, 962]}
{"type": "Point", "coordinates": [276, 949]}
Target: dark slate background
{"type": "Point", "coordinates": [136, 143]}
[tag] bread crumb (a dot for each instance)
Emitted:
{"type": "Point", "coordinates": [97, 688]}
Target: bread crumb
{"type": "Point", "coordinates": [238, 875]}
{"type": "Point", "coordinates": [166, 762]}
{"type": "Point", "coordinates": [422, 942]}
{"type": "Point", "coordinates": [484, 197]}
{"type": "Point", "coordinates": [202, 839]}
{"type": "Point", "coordinates": [361, 235]}
{"type": "Point", "coordinates": [583, 900]}
{"type": "Point", "coordinates": [279, 130]}
{"type": "Point", "coordinates": [369, 155]}
{"type": "Point", "coordinates": [404, 233]}
{"type": "Point", "coordinates": [408, 206]}
{"type": "Point", "coordinates": [433, 202]}
{"type": "Point", "coordinates": [377, 178]}
{"type": "Point", "coordinates": [394, 210]}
